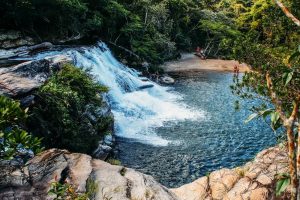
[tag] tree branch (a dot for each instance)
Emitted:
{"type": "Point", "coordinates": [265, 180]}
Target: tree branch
{"type": "Point", "coordinates": [288, 13]}
{"type": "Point", "coordinates": [275, 100]}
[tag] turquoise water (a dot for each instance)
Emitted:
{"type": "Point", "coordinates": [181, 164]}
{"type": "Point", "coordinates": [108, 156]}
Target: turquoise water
{"type": "Point", "coordinates": [220, 139]}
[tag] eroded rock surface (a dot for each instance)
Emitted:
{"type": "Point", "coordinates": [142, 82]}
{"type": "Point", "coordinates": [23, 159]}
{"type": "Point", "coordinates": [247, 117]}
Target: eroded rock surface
{"type": "Point", "coordinates": [27, 76]}
{"type": "Point", "coordinates": [253, 181]}
{"type": "Point", "coordinates": [114, 182]}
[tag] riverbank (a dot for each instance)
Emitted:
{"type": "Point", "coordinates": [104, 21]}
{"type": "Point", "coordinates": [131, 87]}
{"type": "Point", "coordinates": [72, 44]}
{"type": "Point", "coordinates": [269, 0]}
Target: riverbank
{"type": "Point", "coordinates": [191, 63]}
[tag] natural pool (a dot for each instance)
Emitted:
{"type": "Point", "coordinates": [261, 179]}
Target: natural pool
{"type": "Point", "coordinates": [220, 139]}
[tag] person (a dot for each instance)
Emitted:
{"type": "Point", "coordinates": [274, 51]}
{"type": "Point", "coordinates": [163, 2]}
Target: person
{"type": "Point", "coordinates": [198, 50]}
{"type": "Point", "coordinates": [236, 69]}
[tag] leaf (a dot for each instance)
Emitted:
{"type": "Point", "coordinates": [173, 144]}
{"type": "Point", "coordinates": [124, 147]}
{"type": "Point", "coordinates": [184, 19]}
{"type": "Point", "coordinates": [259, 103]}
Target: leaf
{"type": "Point", "coordinates": [294, 55]}
{"type": "Point", "coordinates": [251, 117]}
{"type": "Point", "coordinates": [265, 113]}
{"type": "Point", "coordinates": [274, 118]}
{"type": "Point", "coordinates": [281, 185]}
{"type": "Point", "coordinates": [289, 78]}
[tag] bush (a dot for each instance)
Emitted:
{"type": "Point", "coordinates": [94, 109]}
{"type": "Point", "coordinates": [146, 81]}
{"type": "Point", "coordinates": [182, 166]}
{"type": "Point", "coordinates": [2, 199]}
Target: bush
{"type": "Point", "coordinates": [64, 108]}
{"type": "Point", "coordinates": [14, 141]}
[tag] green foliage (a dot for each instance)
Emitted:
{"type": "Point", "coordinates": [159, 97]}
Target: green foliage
{"type": "Point", "coordinates": [283, 181]}
{"type": "Point", "coordinates": [61, 191]}
{"type": "Point", "coordinates": [114, 161]}
{"type": "Point", "coordinates": [13, 139]}
{"type": "Point", "coordinates": [62, 112]}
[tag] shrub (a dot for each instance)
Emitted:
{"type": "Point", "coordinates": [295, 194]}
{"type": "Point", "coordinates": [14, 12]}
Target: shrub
{"type": "Point", "coordinates": [14, 141]}
{"type": "Point", "coordinates": [64, 108]}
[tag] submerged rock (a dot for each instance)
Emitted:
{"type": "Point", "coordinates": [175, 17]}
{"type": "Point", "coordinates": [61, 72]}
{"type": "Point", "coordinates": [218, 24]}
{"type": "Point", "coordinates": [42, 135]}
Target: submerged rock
{"type": "Point", "coordinates": [114, 182]}
{"type": "Point", "coordinates": [146, 86]}
{"type": "Point", "coordinates": [167, 80]}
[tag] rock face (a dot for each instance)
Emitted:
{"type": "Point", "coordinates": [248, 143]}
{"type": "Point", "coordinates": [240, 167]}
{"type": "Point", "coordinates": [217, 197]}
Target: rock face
{"type": "Point", "coordinates": [253, 181]}
{"type": "Point", "coordinates": [25, 77]}
{"type": "Point", "coordinates": [114, 182]}
{"type": "Point", "coordinates": [13, 39]}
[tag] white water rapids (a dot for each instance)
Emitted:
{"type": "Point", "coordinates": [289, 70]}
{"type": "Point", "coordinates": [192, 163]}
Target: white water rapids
{"type": "Point", "coordinates": [137, 111]}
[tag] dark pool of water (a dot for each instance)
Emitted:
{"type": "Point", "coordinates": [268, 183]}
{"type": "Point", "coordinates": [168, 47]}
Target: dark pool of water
{"type": "Point", "coordinates": [222, 139]}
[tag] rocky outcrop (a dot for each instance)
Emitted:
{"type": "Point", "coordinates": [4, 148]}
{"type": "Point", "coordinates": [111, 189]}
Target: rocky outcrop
{"type": "Point", "coordinates": [25, 77]}
{"type": "Point", "coordinates": [114, 182]}
{"type": "Point", "coordinates": [253, 181]}
{"type": "Point", "coordinates": [24, 51]}
{"type": "Point", "coordinates": [13, 39]}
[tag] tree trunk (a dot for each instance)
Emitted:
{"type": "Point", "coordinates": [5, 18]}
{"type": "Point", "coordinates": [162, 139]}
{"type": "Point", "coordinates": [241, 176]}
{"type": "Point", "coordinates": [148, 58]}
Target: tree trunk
{"type": "Point", "coordinates": [298, 161]}
{"type": "Point", "coordinates": [293, 161]}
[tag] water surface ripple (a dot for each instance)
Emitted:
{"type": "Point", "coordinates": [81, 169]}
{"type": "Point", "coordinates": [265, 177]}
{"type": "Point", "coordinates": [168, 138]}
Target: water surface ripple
{"type": "Point", "coordinates": [221, 139]}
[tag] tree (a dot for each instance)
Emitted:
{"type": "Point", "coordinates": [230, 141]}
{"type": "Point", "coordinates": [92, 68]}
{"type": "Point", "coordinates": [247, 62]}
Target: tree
{"type": "Point", "coordinates": [277, 81]}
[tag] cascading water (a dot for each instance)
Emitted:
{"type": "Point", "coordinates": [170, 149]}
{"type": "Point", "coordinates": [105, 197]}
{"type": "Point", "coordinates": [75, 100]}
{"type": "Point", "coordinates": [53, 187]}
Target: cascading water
{"type": "Point", "coordinates": [137, 111]}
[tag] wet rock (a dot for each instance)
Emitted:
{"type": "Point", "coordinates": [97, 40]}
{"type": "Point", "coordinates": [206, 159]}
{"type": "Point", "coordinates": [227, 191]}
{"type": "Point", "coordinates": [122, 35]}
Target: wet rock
{"type": "Point", "coordinates": [102, 151]}
{"type": "Point", "coordinates": [24, 51]}
{"type": "Point", "coordinates": [167, 80]}
{"type": "Point", "coordinates": [114, 182]}
{"type": "Point", "coordinates": [146, 86]}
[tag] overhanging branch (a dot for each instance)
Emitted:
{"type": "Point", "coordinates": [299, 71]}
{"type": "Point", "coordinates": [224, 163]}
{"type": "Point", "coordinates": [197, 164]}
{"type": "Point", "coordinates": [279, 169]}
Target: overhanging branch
{"type": "Point", "coordinates": [287, 12]}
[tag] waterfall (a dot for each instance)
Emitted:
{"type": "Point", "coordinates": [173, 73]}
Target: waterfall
{"type": "Point", "coordinates": [137, 111]}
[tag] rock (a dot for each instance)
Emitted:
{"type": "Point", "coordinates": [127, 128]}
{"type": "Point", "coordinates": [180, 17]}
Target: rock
{"type": "Point", "coordinates": [145, 65]}
{"type": "Point", "coordinates": [253, 181]}
{"type": "Point", "coordinates": [25, 77]}
{"type": "Point", "coordinates": [167, 80]}
{"type": "Point", "coordinates": [196, 190]}
{"type": "Point", "coordinates": [24, 50]}
{"type": "Point", "coordinates": [102, 151]}
{"type": "Point", "coordinates": [146, 86]}
{"type": "Point", "coordinates": [114, 182]}
{"type": "Point", "coordinates": [144, 79]}
{"type": "Point", "coordinates": [108, 140]}
{"type": "Point", "coordinates": [13, 39]}
{"type": "Point", "coordinates": [27, 101]}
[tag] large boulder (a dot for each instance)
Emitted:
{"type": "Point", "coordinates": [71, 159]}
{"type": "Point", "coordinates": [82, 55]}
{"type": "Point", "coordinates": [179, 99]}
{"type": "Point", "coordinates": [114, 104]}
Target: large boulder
{"type": "Point", "coordinates": [114, 182]}
{"type": "Point", "coordinates": [25, 77]}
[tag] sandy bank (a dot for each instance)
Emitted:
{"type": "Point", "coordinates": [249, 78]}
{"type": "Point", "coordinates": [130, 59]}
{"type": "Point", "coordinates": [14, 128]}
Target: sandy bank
{"type": "Point", "coordinates": [190, 63]}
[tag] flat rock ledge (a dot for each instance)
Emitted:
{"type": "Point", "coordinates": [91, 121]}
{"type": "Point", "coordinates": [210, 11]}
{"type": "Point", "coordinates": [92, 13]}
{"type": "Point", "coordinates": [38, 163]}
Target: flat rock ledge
{"type": "Point", "coordinates": [25, 77]}
{"type": "Point", "coordinates": [114, 182]}
{"type": "Point", "coordinates": [253, 181]}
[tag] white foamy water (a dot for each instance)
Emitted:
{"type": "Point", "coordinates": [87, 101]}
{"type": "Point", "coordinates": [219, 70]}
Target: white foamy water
{"type": "Point", "coordinates": [137, 111]}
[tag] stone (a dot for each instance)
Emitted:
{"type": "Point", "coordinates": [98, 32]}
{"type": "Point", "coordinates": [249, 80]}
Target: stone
{"type": "Point", "coordinates": [167, 80]}
{"type": "Point", "coordinates": [221, 182]}
{"type": "Point", "coordinates": [195, 190]}
{"type": "Point", "coordinates": [13, 39]}
{"type": "Point", "coordinates": [25, 77]}
{"type": "Point", "coordinates": [253, 181]}
{"type": "Point", "coordinates": [24, 51]}
{"type": "Point", "coordinates": [146, 86]}
{"type": "Point", "coordinates": [102, 151]}
{"type": "Point", "coordinates": [259, 194]}
{"type": "Point", "coordinates": [114, 182]}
